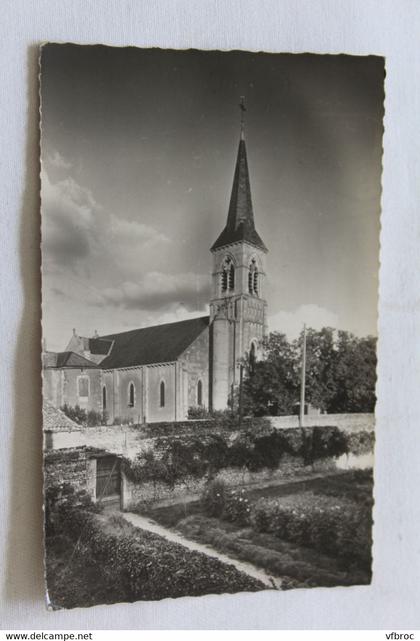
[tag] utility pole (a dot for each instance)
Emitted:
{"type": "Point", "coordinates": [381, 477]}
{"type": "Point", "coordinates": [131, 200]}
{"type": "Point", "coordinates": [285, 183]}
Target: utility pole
{"type": "Point", "coordinates": [303, 380]}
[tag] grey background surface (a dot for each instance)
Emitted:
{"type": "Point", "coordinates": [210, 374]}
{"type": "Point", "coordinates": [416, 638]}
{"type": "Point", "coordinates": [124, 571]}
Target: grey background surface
{"type": "Point", "coordinates": [326, 26]}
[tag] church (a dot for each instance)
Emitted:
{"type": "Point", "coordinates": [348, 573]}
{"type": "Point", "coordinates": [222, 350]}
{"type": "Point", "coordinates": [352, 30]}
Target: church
{"type": "Point", "coordinates": [158, 373]}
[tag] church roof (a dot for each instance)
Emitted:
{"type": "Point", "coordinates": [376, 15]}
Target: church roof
{"type": "Point", "coordinates": [67, 359]}
{"type": "Point", "coordinates": [240, 224]}
{"type": "Point", "coordinates": [156, 344]}
{"type": "Point", "coordinates": [99, 346]}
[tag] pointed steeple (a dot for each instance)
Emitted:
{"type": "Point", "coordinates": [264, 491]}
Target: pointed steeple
{"type": "Point", "coordinates": [240, 224]}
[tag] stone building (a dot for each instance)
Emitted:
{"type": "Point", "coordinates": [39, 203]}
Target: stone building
{"type": "Point", "coordinates": [157, 373]}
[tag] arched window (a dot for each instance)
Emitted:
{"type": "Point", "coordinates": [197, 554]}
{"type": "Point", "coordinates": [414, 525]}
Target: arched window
{"type": "Point", "coordinates": [199, 393]}
{"type": "Point", "coordinates": [104, 398]}
{"type": "Point", "coordinates": [131, 395]}
{"type": "Point", "coordinates": [253, 284]}
{"type": "Point", "coordinates": [162, 393]}
{"type": "Point", "coordinates": [228, 275]}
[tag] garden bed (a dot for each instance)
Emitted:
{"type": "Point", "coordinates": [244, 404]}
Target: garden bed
{"type": "Point", "coordinates": [115, 562]}
{"type": "Point", "coordinates": [313, 532]}
{"type": "Point", "coordinates": [296, 565]}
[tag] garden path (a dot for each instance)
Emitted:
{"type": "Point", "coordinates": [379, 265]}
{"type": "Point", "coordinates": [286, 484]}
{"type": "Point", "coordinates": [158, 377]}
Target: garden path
{"type": "Point", "coordinates": [247, 568]}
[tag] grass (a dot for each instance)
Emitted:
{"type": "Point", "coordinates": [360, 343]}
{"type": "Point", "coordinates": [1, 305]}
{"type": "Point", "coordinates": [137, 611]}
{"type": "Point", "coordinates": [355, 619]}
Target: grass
{"type": "Point", "coordinates": [298, 565]}
{"type": "Point", "coordinates": [351, 485]}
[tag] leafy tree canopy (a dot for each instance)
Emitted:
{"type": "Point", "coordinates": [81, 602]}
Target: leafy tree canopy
{"type": "Point", "coordinates": [340, 373]}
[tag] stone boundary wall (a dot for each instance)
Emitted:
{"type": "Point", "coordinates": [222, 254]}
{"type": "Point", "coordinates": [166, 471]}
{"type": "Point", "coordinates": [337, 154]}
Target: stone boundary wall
{"type": "Point", "coordinates": [123, 439]}
{"type": "Point", "coordinates": [66, 465]}
{"type": "Point", "coordinates": [131, 439]}
{"type": "Point", "coordinates": [291, 468]}
{"type": "Point", "coordinates": [344, 422]}
{"type": "Point", "coordinates": [71, 455]}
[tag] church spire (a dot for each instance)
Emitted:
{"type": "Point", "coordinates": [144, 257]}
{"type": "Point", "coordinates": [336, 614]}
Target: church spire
{"type": "Point", "coordinates": [243, 109]}
{"type": "Point", "coordinates": [240, 224]}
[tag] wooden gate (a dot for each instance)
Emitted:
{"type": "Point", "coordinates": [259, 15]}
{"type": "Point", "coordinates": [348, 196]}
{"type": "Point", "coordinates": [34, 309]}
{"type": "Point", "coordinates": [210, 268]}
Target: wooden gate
{"type": "Point", "coordinates": [108, 481]}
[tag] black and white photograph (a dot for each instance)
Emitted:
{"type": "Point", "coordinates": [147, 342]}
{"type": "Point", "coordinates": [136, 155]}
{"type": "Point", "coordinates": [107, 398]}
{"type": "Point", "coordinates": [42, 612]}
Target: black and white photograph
{"type": "Point", "coordinates": [210, 226]}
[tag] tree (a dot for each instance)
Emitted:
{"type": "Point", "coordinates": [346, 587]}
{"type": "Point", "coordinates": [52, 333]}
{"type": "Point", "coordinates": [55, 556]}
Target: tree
{"type": "Point", "coordinates": [271, 385]}
{"type": "Point", "coordinates": [321, 363]}
{"type": "Point", "coordinates": [340, 374]}
{"type": "Point", "coordinates": [355, 374]}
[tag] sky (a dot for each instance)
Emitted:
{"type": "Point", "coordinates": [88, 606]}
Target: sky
{"type": "Point", "coordinates": [138, 149]}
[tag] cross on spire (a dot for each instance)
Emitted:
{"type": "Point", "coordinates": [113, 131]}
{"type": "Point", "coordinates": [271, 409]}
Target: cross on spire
{"type": "Point", "coordinates": [240, 224]}
{"type": "Point", "coordinates": [242, 107]}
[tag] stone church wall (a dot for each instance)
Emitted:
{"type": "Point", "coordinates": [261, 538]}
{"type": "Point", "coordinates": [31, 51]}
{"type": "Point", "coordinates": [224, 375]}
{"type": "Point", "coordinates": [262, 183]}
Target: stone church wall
{"type": "Point", "coordinates": [111, 405]}
{"type": "Point", "coordinates": [146, 407]}
{"type": "Point", "coordinates": [122, 408]}
{"type": "Point", "coordinates": [155, 375]}
{"type": "Point", "coordinates": [60, 386]}
{"type": "Point", "coordinates": [196, 359]}
{"type": "Point", "coordinates": [52, 387]}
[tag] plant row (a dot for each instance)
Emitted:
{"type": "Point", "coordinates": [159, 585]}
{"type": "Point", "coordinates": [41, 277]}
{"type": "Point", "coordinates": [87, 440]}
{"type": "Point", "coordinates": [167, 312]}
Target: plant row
{"type": "Point", "coordinates": [334, 526]}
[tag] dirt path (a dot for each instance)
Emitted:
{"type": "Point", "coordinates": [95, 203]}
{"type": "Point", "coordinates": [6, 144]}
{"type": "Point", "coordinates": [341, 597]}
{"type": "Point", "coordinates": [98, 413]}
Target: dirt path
{"type": "Point", "coordinates": [247, 568]}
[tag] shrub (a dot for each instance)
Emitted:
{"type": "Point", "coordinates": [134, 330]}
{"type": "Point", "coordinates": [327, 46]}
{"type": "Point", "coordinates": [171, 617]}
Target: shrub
{"type": "Point", "coordinates": [82, 417]}
{"type": "Point", "coordinates": [61, 500]}
{"type": "Point", "coordinates": [361, 442]}
{"type": "Point", "coordinates": [145, 467]}
{"type": "Point", "coordinates": [339, 528]}
{"type": "Point", "coordinates": [179, 459]}
{"type": "Point", "coordinates": [183, 456]}
{"type": "Point", "coordinates": [328, 442]}
{"type": "Point", "coordinates": [213, 498]}
{"type": "Point", "coordinates": [198, 412]}
{"type": "Point", "coordinates": [76, 414]}
{"type": "Point", "coordinates": [231, 505]}
{"type": "Point", "coordinates": [95, 418]}
{"type": "Point", "coordinates": [127, 420]}
{"type": "Point", "coordinates": [237, 508]}
{"type": "Point", "coordinates": [229, 418]}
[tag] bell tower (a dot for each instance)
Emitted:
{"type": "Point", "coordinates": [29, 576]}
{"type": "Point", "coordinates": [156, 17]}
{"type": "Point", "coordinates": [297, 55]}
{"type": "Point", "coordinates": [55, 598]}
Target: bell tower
{"type": "Point", "coordinates": [237, 306]}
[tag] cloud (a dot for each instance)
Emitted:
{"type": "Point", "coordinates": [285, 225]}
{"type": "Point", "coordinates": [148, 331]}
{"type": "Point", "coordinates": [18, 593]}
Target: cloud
{"type": "Point", "coordinates": [291, 323]}
{"type": "Point", "coordinates": [76, 229]}
{"type": "Point", "coordinates": [131, 245]}
{"type": "Point", "coordinates": [159, 291]}
{"type": "Point", "coordinates": [67, 218]}
{"type": "Point", "coordinates": [132, 232]}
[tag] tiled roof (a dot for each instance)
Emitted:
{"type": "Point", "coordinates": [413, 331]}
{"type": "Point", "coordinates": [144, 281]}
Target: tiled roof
{"type": "Point", "coordinates": [54, 420]}
{"type": "Point", "coordinates": [67, 359]}
{"type": "Point", "coordinates": [157, 344]}
{"type": "Point", "coordinates": [240, 224]}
